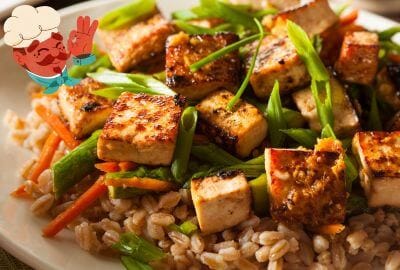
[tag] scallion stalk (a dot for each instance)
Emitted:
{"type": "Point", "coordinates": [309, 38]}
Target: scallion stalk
{"type": "Point", "coordinates": [211, 153]}
{"type": "Point", "coordinates": [374, 119]}
{"type": "Point", "coordinates": [259, 191]}
{"type": "Point", "coordinates": [388, 33]}
{"type": "Point", "coordinates": [132, 264]}
{"type": "Point", "coordinates": [197, 30]}
{"type": "Point", "coordinates": [187, 127]}
{"type": "Point", "coordinates": [305, 137]}
{"type": "Point", "coordinates": [276, 121]}
{"type": "Point", "coordinates": [246, 80]}
{"type": "Point", "coordinates": [186, 227]}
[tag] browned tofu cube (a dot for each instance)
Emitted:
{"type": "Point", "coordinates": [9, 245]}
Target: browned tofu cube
{"type": "Point", "coordinates": [238, 131]}
{"type": "Point", "coordinates": [306, 186]}
{"type": "Point", "coordinates": [379, 157]}
{"type": "Point", "coordinates": [358, 60]}
{"type": "Point", "coordinates": [84, 112]}
{"type": "Point", "coordinates": [284, 4]}
{"type": "Point", "coordinates": [386, 88]}
{"type": "Point", "coordinates": [130, 46]}
{"type": "Point", "coordinates": [184, 50]}
{"type": "Point", "coordinates": [141, 128]}
{"type": "Point", "coordinates": [314, 17]}
{"type": "Point", "coordinates": [277, 60]}
{"type": "Point", "coordinates": [221, 201]}
{"type": "Point", "coordinates": [346, 120]}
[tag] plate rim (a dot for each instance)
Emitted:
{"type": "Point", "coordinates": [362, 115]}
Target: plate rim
{"type": "Point", "coordinates": [27, 256]}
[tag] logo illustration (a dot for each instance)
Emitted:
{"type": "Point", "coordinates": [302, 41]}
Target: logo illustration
{"type": "Point", "coordinates": [39, 47]}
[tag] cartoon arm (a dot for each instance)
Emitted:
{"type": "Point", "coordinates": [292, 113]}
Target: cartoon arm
{"type": "Point", "coordinates": [80, 41]}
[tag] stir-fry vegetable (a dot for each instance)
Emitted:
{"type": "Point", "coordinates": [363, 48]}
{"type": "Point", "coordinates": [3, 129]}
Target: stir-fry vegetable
{"type": "Point", "coordinates": [196, 30]}
{"type": "Point", "coordinates": [102, 61]}
{"type": "Point", "coordinates": [74, 166]}
{"type": "Point", "coordinates": [132, 264]}
{"type": "Point", "coordinates": [187, 127]}
{"type": "Point", "coordinates": [305, 137]}
{"type": "Point", "coordinates": [81, 204]}
{"type": "Point", "coordinates": [259, 191]}
{"type": "Point", "coordinates": [276, 120]}
{"type": "Point", "coordinates": [214, 155]}
{"type": "Point", "coordinates": [374, 119]}
{"type": "Point", "coordinates": [186, 227]}
{"type": "Point", "coordinates": [127, 14]}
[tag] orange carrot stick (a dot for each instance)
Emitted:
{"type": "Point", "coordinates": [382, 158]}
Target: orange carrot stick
{"type": "Point", "coordinates": [108, 166]}
{"type": "Point", "coordinates": [57, 125]}
{"type": "Point", "coordinates": [331, 229]}
{"type": "Point", "coordinates": [349, 17]}
{"type": "Point", "coordinates": [20, 192]}
{"type": "Point", "coordinates": [46, 156]}
{"type": "Point", "coordinates": [80, 205]}
{"type": "Point", "coordinates": [142, 183]}
{"type": "Point", "coordinates": [127, 166]}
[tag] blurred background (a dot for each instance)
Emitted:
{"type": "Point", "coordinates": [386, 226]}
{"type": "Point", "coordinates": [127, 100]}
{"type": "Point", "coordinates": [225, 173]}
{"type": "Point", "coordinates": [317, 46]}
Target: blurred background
{"type": "Point", "coordinates": [387, 8]}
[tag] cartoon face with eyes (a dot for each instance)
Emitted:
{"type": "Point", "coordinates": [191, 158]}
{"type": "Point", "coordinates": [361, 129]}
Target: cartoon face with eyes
{"type": "Point", "coordinates": [45, 58]}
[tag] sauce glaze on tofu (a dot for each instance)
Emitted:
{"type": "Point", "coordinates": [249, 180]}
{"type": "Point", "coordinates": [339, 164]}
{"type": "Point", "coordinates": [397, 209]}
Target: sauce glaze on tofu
{"type": "Point", "coordinates": [379, 157]}
{"type": "Point", "coordinates": [221, 201]}
{"type": "Point", "coordinates": [238, 131]}
{"type": "Point", "coordinates": [141, 128]}
{"type": "Point", "coordinates": [84, 111]}
{"type": "Point", "coordinates": [184, 50]}
{"type": "Point", "coordinates": [307, 186]}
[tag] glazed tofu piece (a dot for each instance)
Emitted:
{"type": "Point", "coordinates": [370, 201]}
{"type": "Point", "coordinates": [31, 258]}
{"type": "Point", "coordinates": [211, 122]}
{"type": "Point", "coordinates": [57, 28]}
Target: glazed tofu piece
{"type": "Point", "coordinates": [379, 157]}
{"type": "Point", "coordinates": [184, 50]}
{"type": "Point", "coordinates": [277, 60]}
{"type": "Point", "coordinates": [346, 120]}
{"type": "Point", "coordinates": [221, 201]}
{"type": "Point", "coordinates": [130, 46]}
{"type": "Point", "coordinates": [306, 186]}
{"type": "Point", "coordinates": [284, 4]}
{"type": "Point", "coordinates": [84, 112]}
{"type": "Point", "coordinates": [386, 88]}
{"type": "Point", "coordinates": [358, 60]}
{"type": "Point", "coordinates": [141, 128]}
{"type": "Point", "coordinates": [314, 17]}
{"type": "Point", "coordinates": [238, 131]}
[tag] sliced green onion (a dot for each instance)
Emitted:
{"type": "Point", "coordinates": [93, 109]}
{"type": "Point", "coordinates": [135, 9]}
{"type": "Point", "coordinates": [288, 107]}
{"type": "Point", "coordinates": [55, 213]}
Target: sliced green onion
{"type": "Point", "coordinates": [222, 52]}
{"type": "Point", "coordinates": [184, 15]}
{"type": "Point", "coordinates": [327, 132]}
{"type": "Point", "coordinates": [388, 33]}
{"type": "Point", "coordinates": [186, 227]}
{"type": "Point", "coordinates": [250, 170]}
{"type": "Point", "coordinates": [127, 14]}
{"type": "Point", "coordinates": [293, 119]}
{"type": "Point", "coordinates": [305, 137]}
{"type": "Point", "coordinates": [374, 119]}
{"type": "Point", "coordinates": [161, 76]}
{"type": "Point", "coordinates": [197, 30]}
{"type": "Point", "coordinates": [259, 191]}
{"type": "Point", "coordinates": [115, 92]}
{"type": "Point", "coordinates": [132, 264]}
{"type": "Point", "coordinates": [260, 160]}
{"type": "Point", "coordinates": [211, 153]}
{"type": "Point", "coordinates": [138, 248]}
{"type": "Point", "coordinates": [261, 13]}
{"type": "Point", "coordinates": [317, 43]}
{"type": "Point", "coordinates": [150, 82]}
{"type": "Point", "coordinates": [187, 127]}
{"type": "Point", "coordinates": [102, 61]}
{"type": "Point", "coordinates": [276, 121]}
{"type": "Point", "coordinates": [161, 173]}
{"type": "Point", "coordinates": [246, 80]}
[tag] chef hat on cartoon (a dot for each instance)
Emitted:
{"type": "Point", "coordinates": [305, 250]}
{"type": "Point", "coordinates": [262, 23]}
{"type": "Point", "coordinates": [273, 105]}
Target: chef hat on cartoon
{"type": "Point", "coordinates": [28, 23]}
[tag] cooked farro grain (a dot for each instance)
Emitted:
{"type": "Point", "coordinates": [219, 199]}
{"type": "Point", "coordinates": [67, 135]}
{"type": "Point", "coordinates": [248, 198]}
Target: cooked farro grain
{"type": "Point", "coordinates": [42, 205]}
{"type": "Point", "coordinates": [248, 249]}
{"type": "Point", "coordinates": [278, 250]}
{"type": "Point", "coordinates": [169, 200]}
{"type": "Point", "coordinates": [110, 237]}
{"type": "Point", "coordinates": [262, 254]}
{"type": "Point", "coordinates": [86, 237]}
{"type": "Point", "coordinates": [162, 219]}
{"type": "Point", "coordinates": [197, 243]}
{"type": "Point", "coordinates": [270, 237]}
{"type": "Point", "coordinates": [320, 243]}
{"type": "Point", "coordinates": [213, 260]}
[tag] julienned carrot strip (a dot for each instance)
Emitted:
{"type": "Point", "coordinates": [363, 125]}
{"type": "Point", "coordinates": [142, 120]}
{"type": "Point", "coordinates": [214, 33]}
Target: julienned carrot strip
{"type": "Point", "coordinates": [349, 17]}
{"type": "Point", "coordinates": [108, 166]}
{"type": "Point", "coordinates": [331, 229]}
{"type": "Point", "coordinates": [127, 166]}
{"type": "Point", "coordinates": [19, 192]}
{"type": "Point", "coordinates": [57, 125]}
{"type": "Point", "coordinates": [142, 183]}
{"type": "Point", "coordinates": [46, 156]}
{"type": "Point", "coordinates": [80, 205]}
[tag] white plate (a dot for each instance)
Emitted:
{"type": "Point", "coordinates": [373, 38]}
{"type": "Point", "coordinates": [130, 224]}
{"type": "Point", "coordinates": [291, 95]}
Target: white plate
{"type": "Point", "coordinates": [20, 231]}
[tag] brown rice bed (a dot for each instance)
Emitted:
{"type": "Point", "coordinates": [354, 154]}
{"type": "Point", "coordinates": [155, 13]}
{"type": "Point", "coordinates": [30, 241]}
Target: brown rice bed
{"type": "Point", "coordinates": [370, 241]}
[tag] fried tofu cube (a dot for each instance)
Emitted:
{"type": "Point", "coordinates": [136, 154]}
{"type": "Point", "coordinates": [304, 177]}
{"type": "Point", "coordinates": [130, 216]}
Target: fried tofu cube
{"type": "Point", "coordinates": [346, 120]}
{"type": "Point", "coordinates": [358, 60]}
{"type": "Point", "coordinates": [84, 112]}
{"type": "Point", "coordinates": [306, 186]}
{"type": "Point", "coordinates": [385, 85]}
{"type": "Point", "coordinates": [130, 46]}
{"type": "Point", "coordinates": [284, 4]}
{"type": "Point", "coordinates": [184, 50]}
{"type": "Point", "coordinates": [379, 157]}
{"type": "Point", "coordinates": [238, 131]}
{"type": "Point", "coordinates": [141, 128]}
{"type": "Point", "coordinates": [277, 60]}
{"type": "Point", "coordinates": [221, 201]}
{"type": "Point", "coordinates": [314, 17]}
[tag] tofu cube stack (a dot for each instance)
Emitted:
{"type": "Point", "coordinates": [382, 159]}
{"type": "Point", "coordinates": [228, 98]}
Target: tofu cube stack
{"type": "Point", "coordinates": [142, 41]}
{"type": "Point", "coordinates": [379, 157]}
{"type": "Point", "coordinates": [239, 130]}
{"type": "Point", "coordinates": [221, 201]}
{"type": "Point", "coordinates": [184, 50]}
{"type": "Point", "coordinates": [346, 120]}
{"type": "Point", "coordinates": [84, 111]}
{"type": "Point", "coordinates": [141, 128]}
{"type": "Point", "coordinates": [307, 186]}
{"type": "Point", "coordinates": [358, 60]}
{"type": "Point", "coordinates": [277, 60]}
